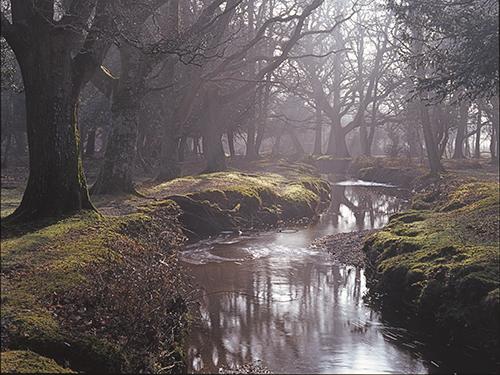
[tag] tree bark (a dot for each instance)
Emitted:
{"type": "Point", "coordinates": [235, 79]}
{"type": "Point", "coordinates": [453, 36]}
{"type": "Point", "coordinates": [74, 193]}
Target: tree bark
{"type": "Point", "coordinates": [477, 148]}
{"type": "Point", "coordinates": [337, 146]}
{"type": "Point", "coordinates": [90, 146]}
{"type": "Point", "coordinates": [263, 115]}
{"type": "Point", "coordinates": [56, 184]}
{"type": "Point", "coordinates": [230, 142]}
{"type": "Point", "coordinates": [213, 149]}
{"type": "Point", "coordinates": [8, 142]}
{"type": "Point", "coordinates": [430, 143]}
{"type": "Point", "coordinates": [495, 125]}
{"type": "Point", "coordinates": [170, 160]}
{"type": "Point", "coordinates": [458, 152]}
{"type": "Point", "coordinates": [318, 138]}
{"type": "Point", "coordinates": [182, 148]}
{"type": "Point", "coordinates": [115, 175]}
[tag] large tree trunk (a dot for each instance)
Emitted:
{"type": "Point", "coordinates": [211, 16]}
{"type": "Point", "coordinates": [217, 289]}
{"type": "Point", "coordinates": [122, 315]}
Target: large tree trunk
{"type": "Point", "coordinates": [115, 175]}
{"type": "Point", "coordinates": [430, 143]}
{"type": "Point", "coordinates": [337, 146]}
{"type": "Point", "coordinates": [429, 138]}
{"type": "Point", "coordinates": [56, 184]}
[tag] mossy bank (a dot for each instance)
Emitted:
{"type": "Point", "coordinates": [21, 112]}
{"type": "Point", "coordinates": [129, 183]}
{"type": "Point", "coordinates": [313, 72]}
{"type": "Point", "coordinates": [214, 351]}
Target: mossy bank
{"type": "Point", "coordinates": [94, 293]}
{"type": "Point", "coordinates": [231, 201]}
{"type": "Point", "coordinates": [438, 263]}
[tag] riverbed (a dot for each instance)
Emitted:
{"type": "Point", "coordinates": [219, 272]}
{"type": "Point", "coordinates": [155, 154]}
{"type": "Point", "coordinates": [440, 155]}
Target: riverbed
{"type": "Point", "coordinates": [271, 298]}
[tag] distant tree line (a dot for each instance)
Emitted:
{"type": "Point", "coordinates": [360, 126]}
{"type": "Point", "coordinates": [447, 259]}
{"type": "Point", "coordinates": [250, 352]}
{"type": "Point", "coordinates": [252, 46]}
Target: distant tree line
{"type": "Point", "coordinates": [148, 85]}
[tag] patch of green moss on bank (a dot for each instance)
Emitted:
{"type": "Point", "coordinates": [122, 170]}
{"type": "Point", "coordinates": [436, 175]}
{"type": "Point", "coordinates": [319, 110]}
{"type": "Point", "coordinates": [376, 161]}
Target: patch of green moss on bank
{"type": "Point", "coordinates": [52, 275]}
{"type": "Point", "coordinates": [21, 361]}
{"type": "Point", "coordinates": [234, 200]}
{"type": "Point", "coordinates": [441, 265]}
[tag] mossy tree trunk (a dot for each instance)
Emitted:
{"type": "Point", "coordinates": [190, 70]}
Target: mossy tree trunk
{"type": "Point", "coordinates": [56, 184]}
{"type": "Point", "coordinates": [115, 175]}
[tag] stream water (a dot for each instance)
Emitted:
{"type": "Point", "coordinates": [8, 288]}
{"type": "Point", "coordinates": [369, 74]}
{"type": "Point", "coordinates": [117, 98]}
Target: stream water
{"type": "Point", "coordinates": [269, 297]}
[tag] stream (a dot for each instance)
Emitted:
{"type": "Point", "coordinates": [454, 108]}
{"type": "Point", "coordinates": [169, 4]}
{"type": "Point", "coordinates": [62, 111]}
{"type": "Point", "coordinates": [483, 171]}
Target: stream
{"type": "Point", "coordinates": [269, 297]}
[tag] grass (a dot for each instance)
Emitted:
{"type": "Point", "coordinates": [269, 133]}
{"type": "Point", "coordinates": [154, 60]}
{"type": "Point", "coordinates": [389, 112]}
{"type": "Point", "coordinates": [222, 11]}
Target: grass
{"type": "Point", "coordinates": [66, 283]}
{"type": "Point", "coordinates": [40, 267]}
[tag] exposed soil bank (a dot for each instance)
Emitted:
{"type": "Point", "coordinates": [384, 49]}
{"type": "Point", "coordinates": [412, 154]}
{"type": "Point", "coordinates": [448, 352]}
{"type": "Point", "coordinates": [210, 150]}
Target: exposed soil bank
{"type": "Point", "coordinates": [437, 265]}
{"type": "Point", "coordinates": [106, 294]}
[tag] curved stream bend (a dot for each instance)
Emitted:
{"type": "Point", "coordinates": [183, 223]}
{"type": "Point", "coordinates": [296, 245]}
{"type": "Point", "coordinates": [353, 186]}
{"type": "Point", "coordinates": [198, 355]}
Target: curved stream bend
{"type": "Point", "coordinates": [270, 297]}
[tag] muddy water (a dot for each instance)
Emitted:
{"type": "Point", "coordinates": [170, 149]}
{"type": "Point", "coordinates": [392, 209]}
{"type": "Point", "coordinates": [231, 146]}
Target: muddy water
{"type": "Point", "coordinates": [269, 297]}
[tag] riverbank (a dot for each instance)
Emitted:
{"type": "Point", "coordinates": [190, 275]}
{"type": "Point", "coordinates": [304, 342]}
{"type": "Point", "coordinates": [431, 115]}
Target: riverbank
{"type": "Point", "coordinates": [437, 264]}
{"type": "Point", "coordinates": [75, 291]}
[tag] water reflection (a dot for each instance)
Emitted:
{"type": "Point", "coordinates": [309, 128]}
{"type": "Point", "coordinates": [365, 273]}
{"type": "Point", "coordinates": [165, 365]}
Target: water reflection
{"type": "Point", "coordinates": [270, 297]}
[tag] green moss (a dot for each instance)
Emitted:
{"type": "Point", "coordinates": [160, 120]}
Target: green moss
{"type": "Point", "coordinates": [251, 199]}
{"type": "Point", "coordinates": [40, 265]}
{"type": "Point", "coordinates": [22, 361]}
{"type": "Point", "coordinates": [443, 264]}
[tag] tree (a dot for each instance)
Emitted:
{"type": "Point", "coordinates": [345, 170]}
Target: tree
{"type": "Point", "coordinates": [460, 42]}
{"type": "Point", "coordinates": [57, 51]}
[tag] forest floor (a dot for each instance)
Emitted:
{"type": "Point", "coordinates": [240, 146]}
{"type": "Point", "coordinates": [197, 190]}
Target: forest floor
{"type": "Point", "coordinates": [84, 293]}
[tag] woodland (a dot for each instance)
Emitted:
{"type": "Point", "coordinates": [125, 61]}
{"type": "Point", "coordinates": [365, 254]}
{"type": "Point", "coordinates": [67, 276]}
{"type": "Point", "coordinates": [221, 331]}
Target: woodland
{"type": "Point", "coordinates": [137, 134]}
